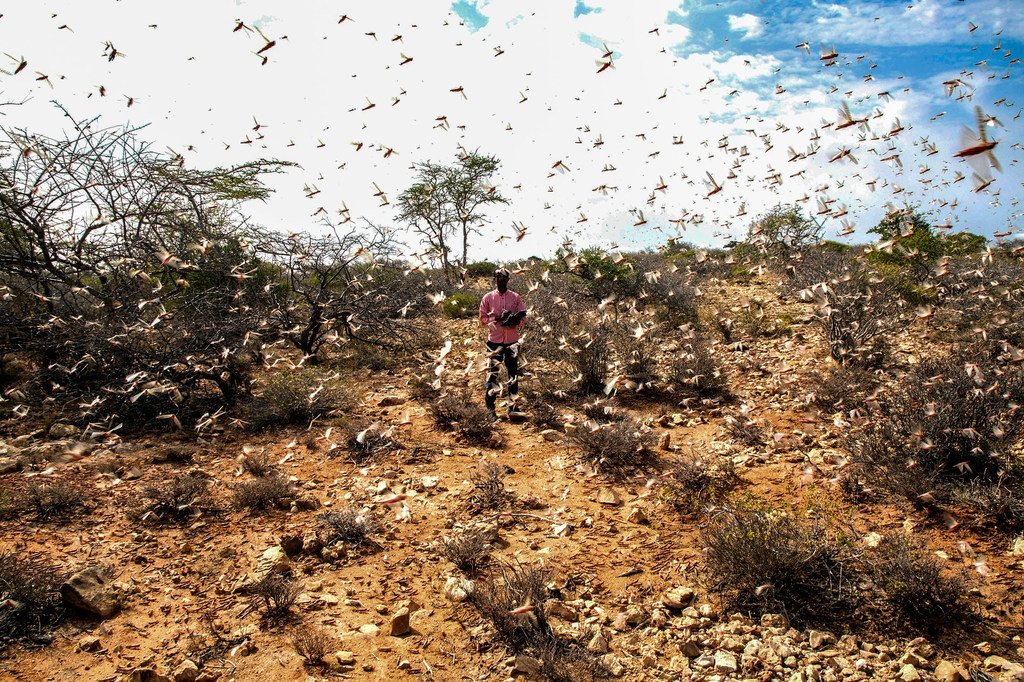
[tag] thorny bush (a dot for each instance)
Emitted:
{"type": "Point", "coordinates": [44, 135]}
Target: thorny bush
{"type": "Point", "coordinates": [948, 423]}
{"type": "Point", "coordinates": [768, 560]}
{"type": "Point", "coordinates": [614, 448]}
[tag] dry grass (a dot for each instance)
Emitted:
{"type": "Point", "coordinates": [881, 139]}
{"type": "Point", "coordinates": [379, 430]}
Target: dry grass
{"type": "Point", "coordinates": [30, 600]}
{"type": "Point", "coordinates": [176, 501]}
{"type": "Point", "coordinates": [262, 494]}
{"type": "Point", "coordinates": [614, 448]}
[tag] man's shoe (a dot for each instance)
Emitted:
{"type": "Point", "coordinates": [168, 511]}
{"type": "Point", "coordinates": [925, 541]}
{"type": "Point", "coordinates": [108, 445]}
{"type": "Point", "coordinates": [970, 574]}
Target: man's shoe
{"type": "Point", "coordinates": [494, 415]}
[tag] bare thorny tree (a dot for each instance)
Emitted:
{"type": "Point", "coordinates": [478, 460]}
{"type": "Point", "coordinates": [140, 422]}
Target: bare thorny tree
{"type": "Point", "coordinates": [126, 274]}
{"type": "Point", "coordinates": [341, 285]}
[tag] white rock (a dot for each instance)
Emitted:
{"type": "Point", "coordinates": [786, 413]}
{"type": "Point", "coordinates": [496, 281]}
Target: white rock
{"type": "Point", "coordinates": [725, 662]}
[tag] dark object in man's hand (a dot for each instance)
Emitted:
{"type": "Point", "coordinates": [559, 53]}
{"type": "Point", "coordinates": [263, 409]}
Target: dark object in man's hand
{"type": "Point", "coordinates": [510, 318]}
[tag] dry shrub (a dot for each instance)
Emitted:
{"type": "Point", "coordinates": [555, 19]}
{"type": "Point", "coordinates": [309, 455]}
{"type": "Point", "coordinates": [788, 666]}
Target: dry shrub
{"type": "Point", "coordinates": [293, 397]}
{"type": "Point", "coordinates": [602, 411]}
{"type": "Point", "coordinates": [348, 527]}
{"type": "Point", "coordinates": [372, 444]}
{"type": "Point", "coordinates": [694, 486]}
{"type": "Point", "coordinates": [745, 431]}
{"type": "Point", "coordinates": [461, 413]}
{"type": "Point", "coordinates": [276, 594]}
{"type": "Point", "coordinates": [913, 580]}
{"type": "Point", "coordinates": [57, 500]}
{"type": "Point", "coordinates": [545, 416]}
{"type": "Point", "coordinates": [693, 370]}
{"type": "Point", "coordinates": [768, 560]}
{"type": "Point", "coordinates": [489, 491]}
{"type": "Point", "coordinates": [589, 361]}
{"type": "Point", "coordinates": [1000, 504]}
{"type": "Point", "coordinates": [312, 644]}
{"type": "Point", "coordinates": [30, 600]}
{"type": "Point", "coordinates": [843, 388]}
{"type": "Point", "coordinates": [176, 501]}
{"type": "Point", "coordinates": [949, 423]}
{"type": "Point", "coordinates": [258, 464]}
{"type": "Point", "coordinates": [614, 448]}
{"type": "Point", "coordinates": [261, 494]}
{"type": "Point", "coordinates": [516, 586]}
{"type": "Point", "coordinates": [469, 550]}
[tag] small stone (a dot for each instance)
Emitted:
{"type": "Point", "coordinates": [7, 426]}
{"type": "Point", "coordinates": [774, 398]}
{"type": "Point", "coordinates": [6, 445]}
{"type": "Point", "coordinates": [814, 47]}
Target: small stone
{"type": "Point", "coordinates": [636, 515]}
{"type": "Point", "coordinates": [91, 591]}
{"type": "Point", "coordinates": [273, 560]}
{"type": "Point", "coordinates": [551, 435]}
{"type": "Point", "coordinates": [291, 544]}
{"type": "Point", "coordinates": [9, 465]}
{"type": "Point", "coordinates": [908, 673]}
{"type": "Point", "coordinates": [528, 665]}
{"type": "Point", "coordinates": [369, 629]}
{"type": "Point", "coordinates": [558, 609]}
{"type": "Point", "coordinates": [345, 657]}
{"type": "Point", "coordinates": [1018, 547]}
{"type": "Point", "coordinates": [678, 597]}
{"type": "Point", "coordinates": [306, 503]}
{"type": "Point", "coordinates": [690, 649]}
{"type": "Point", "coordinates": [774, 620]}
{"type": "Point", "coordinates": [666, 442]}
{"type": "Point", "coordinates": [89, 643]}
{"type": "Point", "coordinates": [59, 430]}
{"type": "Point", "coordinates": [187, 671]}
{"type": "Point", "coordinates": [609, 497]}
{"type": "Point", "coordinates": [430, 482]}
{"type": "Point", "coordinates": [147, 674]}
{"type": "Point", "coordinates": [725, 662]}
{"type": "Point", "coordinates": [598, 644]}
{"type": "Point", "coordinates": [946, 671]}
{"type": "Point", "coordinates": [913, 658]}
{"type": "Point", "coordinates": [400, 623]}
{"type": "Point", "coordinates": [391, 401]}
{"type": "Point", "coordinates": [817, 639]}
{"type": "Point", "coordinates": [458, 589]}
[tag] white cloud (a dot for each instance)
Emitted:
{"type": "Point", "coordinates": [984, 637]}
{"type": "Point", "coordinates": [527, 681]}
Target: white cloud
{"type": "Point", "coordinates": [749, 24]}
{"type": "Point", "coordinates": [200, 85]}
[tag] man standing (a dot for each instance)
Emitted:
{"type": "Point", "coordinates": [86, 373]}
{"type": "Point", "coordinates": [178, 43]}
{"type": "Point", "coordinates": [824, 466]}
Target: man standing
{"type": "Point", "coordinates": [502, 312]}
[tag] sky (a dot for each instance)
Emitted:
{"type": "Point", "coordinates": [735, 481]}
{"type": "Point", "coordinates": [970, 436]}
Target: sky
{"type": "Point", "coordinates": [617, 157]}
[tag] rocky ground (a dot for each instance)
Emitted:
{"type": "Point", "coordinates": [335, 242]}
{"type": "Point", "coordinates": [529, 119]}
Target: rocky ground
{"type": "Point", "coordinates": [168, 601]}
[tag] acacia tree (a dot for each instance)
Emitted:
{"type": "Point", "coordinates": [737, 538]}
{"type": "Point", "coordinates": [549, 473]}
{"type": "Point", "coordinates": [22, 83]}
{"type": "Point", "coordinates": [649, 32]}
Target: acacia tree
{"type": "Point", "coordinates": [784, 229]}
{"type": "Point", "coordinates": [446, 204]}
{"type": "Point", "coordinates": [339, 284]}
{"type": "Point", "coordinates": [911, 242]}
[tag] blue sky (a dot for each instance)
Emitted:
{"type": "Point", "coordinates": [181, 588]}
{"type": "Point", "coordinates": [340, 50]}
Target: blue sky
{"type": "Point", "coordinates": [618, 155]}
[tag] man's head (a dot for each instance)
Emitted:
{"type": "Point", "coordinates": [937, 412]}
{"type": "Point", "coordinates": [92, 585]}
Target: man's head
{"type": "Point", "coordinates": [501, 276]}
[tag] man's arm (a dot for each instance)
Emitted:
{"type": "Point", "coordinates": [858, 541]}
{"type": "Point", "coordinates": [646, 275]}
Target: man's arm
{"type": "Point", "coordinates": [486, 316]}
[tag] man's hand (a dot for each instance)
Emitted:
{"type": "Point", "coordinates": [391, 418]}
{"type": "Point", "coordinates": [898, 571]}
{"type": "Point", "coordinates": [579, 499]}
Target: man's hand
{"type": "Point", "coordinates": [510, 318]}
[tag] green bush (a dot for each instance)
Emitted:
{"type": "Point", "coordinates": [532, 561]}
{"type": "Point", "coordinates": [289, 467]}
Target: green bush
{"type": "Point", "coordinates": [461, 305]}
{"type": "Point", "coordinates": [484, 268]}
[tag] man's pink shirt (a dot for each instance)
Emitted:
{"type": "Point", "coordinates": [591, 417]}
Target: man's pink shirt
{"type": "Point", "coordinates": [492, 305]}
